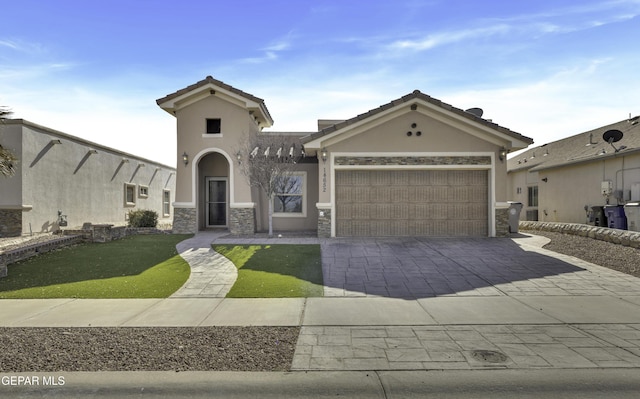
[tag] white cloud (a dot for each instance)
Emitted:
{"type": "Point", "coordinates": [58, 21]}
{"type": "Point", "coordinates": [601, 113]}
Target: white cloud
{"type": "Point", "coordinates": [449, 37]}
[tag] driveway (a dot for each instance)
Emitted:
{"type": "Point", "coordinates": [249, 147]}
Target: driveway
{"type": "Point", "coordinates": [413, 268]}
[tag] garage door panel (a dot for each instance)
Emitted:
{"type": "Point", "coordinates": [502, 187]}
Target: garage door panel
{"type": "Point", "coordinates": [438, 178]}
{"type": "Point", "coordinates": [381, 178]}
{"type": "Point", "coordinates": [413, 202]}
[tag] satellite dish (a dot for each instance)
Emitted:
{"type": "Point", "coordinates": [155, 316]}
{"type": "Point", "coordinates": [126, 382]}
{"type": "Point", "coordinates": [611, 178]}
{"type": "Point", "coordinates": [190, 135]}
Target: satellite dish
{"type": "Point", "coordinates": [612, 136]}
{"type": "Point", "coordinates": [475, 111]}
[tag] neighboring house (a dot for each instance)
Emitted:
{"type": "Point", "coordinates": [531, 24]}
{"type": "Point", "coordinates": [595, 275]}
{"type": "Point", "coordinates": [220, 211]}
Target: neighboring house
{"type": "Point", "coordinates": [414, 166]}
{"type": "Point", "coordinates": [562, 180]}
{"type": "Point", "coordinates": [61, 178]}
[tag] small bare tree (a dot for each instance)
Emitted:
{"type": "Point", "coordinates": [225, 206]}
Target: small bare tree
{"type": "Point", "coordinates": [8, 160]}
{"type": "Point", "coordinates": [268, 162]}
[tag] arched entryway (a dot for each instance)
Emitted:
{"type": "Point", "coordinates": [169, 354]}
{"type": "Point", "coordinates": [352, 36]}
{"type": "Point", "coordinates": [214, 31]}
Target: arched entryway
{"type": "Point", "coordinates": [213, 192]}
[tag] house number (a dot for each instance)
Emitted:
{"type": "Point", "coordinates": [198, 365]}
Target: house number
{"type": "Point", "coordinates": [324, 180]}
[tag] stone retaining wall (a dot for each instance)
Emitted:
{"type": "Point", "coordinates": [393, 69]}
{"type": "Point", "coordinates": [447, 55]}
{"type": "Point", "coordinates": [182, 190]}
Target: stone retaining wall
{"type": "Point", "coordinates": [28, 251]}
{"type": "Point", "coordinates": [621, 237]}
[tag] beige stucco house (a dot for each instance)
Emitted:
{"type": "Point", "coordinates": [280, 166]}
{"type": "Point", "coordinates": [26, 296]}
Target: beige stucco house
{"type": "Point", "coordinates": [62, 178]}
{"type": "Point", "coordinates": [561, 181]}
{"type": "Point", "coordinates": [413, 166]}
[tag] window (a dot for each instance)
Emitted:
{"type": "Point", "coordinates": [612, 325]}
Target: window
{"type": "Point", "coordinates": [129, 194]}
{"type": "Point", "coordinates": [143, 191]}
{"type": "Point", "coordinates": [533, 196]}
{"type": "Point", "coordinates": [166, 202]}
{"type": "Point", "coordinates": [289, 198]}
{"type": "Point", "coordinates": [214, 126]}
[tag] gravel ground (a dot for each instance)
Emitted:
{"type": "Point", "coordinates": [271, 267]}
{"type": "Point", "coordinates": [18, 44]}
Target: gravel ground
{"type": "Point", "coordinates": [616, 257]}
{"type": "Point", "coordinates": [147, 349]}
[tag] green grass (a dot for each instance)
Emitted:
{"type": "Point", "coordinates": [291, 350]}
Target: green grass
{"type": "Point", "coordinates": [145, 266]}
{"type": "Point", "coordinates": [275, 271]}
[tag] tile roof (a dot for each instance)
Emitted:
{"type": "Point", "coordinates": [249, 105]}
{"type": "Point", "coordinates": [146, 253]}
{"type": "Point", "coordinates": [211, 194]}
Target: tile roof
{"type": "Point", "coordinates": [584, 147]}
{"type": "Point", "coordinates": [416, 94]}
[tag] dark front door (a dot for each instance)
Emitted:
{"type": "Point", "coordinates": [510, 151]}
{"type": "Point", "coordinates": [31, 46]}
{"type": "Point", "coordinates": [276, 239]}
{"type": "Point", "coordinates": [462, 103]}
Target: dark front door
{"type": "Point", "coordinates": [216, 202]}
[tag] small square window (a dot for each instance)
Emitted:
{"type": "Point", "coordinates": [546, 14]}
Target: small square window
{"type": "Point", "coordinates": [214, 126]}
{"type": "Point", "coordinates": [143, 191]}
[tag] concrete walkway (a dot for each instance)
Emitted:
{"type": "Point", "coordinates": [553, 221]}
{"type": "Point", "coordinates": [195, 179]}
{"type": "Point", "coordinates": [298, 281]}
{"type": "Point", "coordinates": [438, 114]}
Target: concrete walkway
{"type": "Point", "coordinates": [212, 275]}
{"type": "Point", "coordinates": [525, 308]}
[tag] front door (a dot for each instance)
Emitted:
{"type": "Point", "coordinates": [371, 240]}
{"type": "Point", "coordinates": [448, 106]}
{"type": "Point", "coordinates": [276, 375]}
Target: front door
{"type": "Point", "coordinates": [216, 202]}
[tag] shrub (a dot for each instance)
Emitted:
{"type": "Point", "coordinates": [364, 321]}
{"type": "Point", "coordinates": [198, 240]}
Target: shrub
{"type": "Point", "coordinates": [143, 218]}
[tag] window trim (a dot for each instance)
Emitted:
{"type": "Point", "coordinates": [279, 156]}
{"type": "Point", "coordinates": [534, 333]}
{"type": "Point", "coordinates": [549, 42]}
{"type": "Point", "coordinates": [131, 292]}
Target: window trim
{"type": "Point", "coordinates": [166, 203]}
{"type": "Point", "coordinates": [303, 194]}
{"type": "Point", "coordinates": [132, 187]}
{"type": "Point", "coordinates": [140, 189]}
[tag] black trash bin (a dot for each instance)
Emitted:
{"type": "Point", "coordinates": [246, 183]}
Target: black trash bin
{"type": "Point", "coordinates": [616, 217]}
{"type": "Point", "coordinates": [598, 217]}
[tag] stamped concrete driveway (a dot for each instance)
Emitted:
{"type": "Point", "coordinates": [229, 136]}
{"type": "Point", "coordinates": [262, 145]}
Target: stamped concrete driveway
{"type": "Point", "coordinates": [413, 268]}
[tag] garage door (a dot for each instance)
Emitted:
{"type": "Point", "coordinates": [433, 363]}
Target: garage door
{"type": "Point", "coordinates": [372, 203]}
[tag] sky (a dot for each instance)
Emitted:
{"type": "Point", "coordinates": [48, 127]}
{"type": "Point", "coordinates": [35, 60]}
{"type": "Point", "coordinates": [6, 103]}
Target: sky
{"type": "Point", "coordinates": [547, 69]}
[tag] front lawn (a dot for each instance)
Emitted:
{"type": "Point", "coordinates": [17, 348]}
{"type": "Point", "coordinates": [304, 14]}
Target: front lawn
{"type": "Point", "coordinates": [145, 266]}
{"type": "Point", "coordinates": [275, 271]}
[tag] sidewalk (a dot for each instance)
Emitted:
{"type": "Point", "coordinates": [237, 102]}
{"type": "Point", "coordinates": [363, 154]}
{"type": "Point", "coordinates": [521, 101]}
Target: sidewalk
{"type": "Point", "coordinates": [386, 333]}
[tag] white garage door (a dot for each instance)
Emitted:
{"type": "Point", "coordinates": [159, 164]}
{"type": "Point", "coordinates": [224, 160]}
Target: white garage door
{"type": "Point", "coordinates": [374, 203]}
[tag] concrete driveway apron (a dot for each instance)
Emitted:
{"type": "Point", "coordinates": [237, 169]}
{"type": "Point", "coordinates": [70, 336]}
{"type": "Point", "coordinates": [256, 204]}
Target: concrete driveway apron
{"type": "Point", "coordinates": [414, 268]}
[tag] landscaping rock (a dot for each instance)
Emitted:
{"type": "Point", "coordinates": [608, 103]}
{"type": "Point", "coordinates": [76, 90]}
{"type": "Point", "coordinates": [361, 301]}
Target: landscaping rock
{"type": "Point", "coordinates": [147, 349]}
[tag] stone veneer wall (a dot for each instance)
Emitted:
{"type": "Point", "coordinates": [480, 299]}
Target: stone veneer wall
{"type": "Point", "coordinates": [324, 223]}
{"type": "Point", "coordinates": [621, 237]}
{"type": "Point", "coordinates": [502, 222]}
{"type": "Point", "coordinates": [428, 161]}
{"type": "Point", "coordinates": [10, 222]}
{"type": "Point", "coordinates": [184, 221]}
{"type": "Point", "coordinates": [242, 221]}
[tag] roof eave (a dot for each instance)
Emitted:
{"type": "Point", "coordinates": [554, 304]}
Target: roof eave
{"type": "Point", "coordinates": [593, 158]}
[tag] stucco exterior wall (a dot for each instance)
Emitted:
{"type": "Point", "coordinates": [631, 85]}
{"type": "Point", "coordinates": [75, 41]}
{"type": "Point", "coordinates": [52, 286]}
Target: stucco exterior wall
{"type": "Point", "coordinates": [84, 186]}
{"type": "Point", "coordinates": [11, 195]}
{"type": "Point", "coordinates": [568, 189]}
{"type": "Point", "coordinates": [236, 126]}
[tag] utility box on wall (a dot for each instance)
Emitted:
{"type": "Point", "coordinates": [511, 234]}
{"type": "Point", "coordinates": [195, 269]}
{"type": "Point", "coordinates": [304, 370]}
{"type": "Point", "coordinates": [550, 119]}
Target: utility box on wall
{"type": "Point", "coordinates": [607, 187]}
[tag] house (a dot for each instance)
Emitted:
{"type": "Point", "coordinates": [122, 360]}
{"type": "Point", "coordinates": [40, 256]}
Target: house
{"type": "Point", "coordinates": [63, 180]}
{"type": "Point", "coordinates": [413, 166]}
{"type": "Point", "coordinates": [561, 181]}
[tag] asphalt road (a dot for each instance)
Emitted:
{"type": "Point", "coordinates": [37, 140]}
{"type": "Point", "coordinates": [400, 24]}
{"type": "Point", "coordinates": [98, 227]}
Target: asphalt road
{"type": "Point", "coordinates": [495, 384]}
